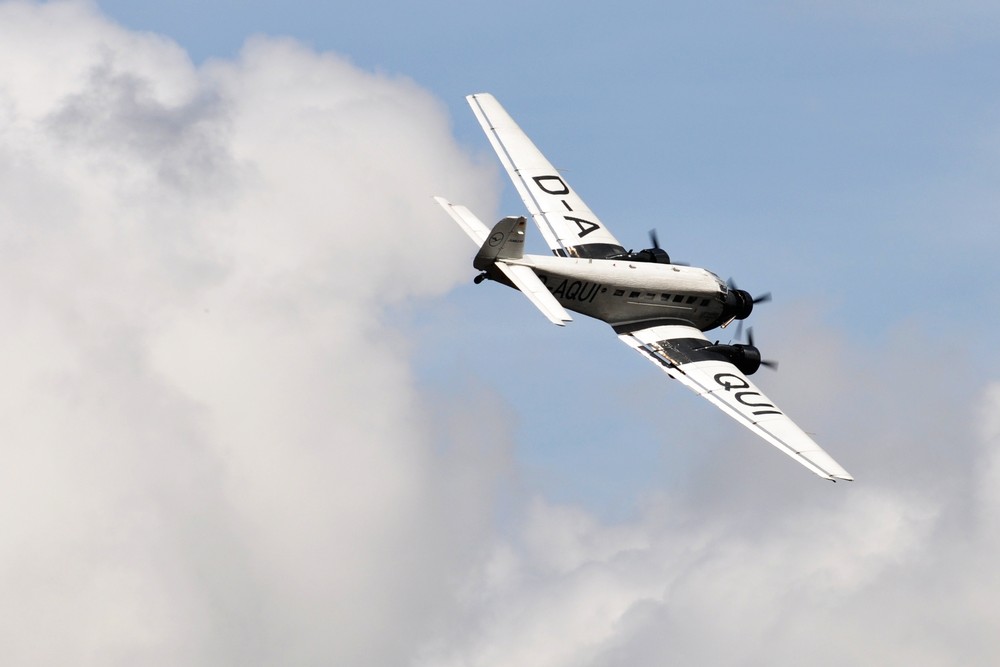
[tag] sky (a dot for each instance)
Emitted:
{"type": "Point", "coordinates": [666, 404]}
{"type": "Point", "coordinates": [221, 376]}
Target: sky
{"type": "Point", "coordinates": [255, 412]}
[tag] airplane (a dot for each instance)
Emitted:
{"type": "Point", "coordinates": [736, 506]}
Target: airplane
{"type": "Point", "coordinates": [659, 308]}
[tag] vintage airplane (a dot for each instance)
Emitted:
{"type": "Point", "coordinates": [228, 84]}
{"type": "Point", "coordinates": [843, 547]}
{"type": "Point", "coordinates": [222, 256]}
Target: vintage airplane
{"type": "Point", "coordinates": [658, 308]}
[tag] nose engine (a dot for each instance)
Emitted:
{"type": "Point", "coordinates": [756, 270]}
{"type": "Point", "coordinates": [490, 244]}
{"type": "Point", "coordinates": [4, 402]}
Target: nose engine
{"type": "Point", "coordinates": [739, 305]}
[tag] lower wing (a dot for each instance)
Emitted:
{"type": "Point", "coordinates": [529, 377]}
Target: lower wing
{"type": "Point", "coordinates": [683, 353]}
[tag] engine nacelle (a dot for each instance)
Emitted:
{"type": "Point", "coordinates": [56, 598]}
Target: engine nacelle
{"type": "Point", "coordinates": [651, 255]}
{"type": "Point", "coordinates": [739, 305]}
{"type": "Point", "coordinates": [745, 357]}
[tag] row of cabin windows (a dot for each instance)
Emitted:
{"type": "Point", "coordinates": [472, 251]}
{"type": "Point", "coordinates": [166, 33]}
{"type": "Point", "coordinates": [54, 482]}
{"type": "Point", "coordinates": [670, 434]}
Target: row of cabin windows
{"type": "Point", "coordinates": [667, 298]}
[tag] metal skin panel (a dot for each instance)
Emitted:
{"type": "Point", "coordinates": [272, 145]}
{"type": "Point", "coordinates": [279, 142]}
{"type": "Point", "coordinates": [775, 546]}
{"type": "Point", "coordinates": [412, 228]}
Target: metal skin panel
{"type": "Point", "coordinates": [465, 218]}
{"type": "Point", "coordinates": [519, 277]}
{"type": "Point", "coordinates": [565, 221]}
{"type": "Point", "coordinates": [528, 283]}
{"type": "Point", "coordinates": [677, 351]}
{"type": "Point", "coordinates": [505, 242]}
{"type": "Point", "coordinates": [623, 293]}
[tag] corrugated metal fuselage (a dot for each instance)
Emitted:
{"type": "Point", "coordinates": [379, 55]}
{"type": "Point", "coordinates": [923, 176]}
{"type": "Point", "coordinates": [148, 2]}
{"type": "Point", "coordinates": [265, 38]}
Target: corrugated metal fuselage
{"type": "Point", "coordinates": [621, 292]}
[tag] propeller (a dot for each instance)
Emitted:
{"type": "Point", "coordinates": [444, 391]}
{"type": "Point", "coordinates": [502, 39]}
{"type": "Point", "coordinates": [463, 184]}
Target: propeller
{"type": "Point", "coordinates": [754, 300]}
{"type": "Point", "coordinates": [654, 240]}
{"type": "Point", "coordinates": [770, 363]}
{"type": "Point", "coordinates": [763, 298]}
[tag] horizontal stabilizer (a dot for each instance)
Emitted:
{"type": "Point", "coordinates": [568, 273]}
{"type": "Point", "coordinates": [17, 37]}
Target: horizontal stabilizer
{"type": "Point", "coordinates": [469, 223]}
{"type": "Point", "coordinates": [529, 284]}
{"type": "Point", "coordinates": [509, 245]}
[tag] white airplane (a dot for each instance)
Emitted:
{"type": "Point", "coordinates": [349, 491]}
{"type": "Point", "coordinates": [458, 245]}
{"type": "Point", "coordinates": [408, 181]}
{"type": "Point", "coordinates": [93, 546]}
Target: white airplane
{"type": "Point", "coordinates": [657, 308]}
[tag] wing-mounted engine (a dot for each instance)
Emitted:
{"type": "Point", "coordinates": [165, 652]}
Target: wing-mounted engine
{"type": "Point", "coordinates": [745, 356]}
{"type": "Point", "coordinates": [654, 255]}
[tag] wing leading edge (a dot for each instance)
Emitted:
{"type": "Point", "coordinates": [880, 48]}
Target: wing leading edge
{"type": "Point", "coordinates": [568, 225]}
{"type": "Point", "coordinates": [682, 353]}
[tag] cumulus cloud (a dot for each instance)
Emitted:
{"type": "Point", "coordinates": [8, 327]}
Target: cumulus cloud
{"type": "Point", "coordinates": [878, 573]}
{"type": "Point", "coordinates": [214, 449]}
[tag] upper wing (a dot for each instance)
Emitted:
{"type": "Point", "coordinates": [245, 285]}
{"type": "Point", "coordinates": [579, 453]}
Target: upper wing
{"type": "Point", "coordinates": [680, 352]}
{"type": "Point", "coordinates": [568, 224]}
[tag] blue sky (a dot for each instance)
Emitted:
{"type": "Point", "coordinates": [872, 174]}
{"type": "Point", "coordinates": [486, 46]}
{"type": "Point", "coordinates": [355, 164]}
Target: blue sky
{"type": "Point", "coordinates": [257, 412]}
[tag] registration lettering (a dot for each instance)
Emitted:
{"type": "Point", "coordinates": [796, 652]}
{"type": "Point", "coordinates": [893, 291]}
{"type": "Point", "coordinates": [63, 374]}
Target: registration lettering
{"type": "Point", "coordinates": [553, 184]}
{"type": "Point", "coordinates": [729, 382]}
{"type": "Point", "coordinates": [573, 290]}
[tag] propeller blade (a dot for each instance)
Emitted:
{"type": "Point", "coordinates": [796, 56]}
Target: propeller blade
{"type": "Point", "coordinates": [653, 238]}
{"type": "Point", "coordinates": [769, 363]}
{"type": "Point", "coordinates": [763, 298]}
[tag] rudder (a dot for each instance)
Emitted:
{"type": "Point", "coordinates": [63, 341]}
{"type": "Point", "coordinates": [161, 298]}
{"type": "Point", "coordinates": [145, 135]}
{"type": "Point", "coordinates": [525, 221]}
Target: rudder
{"type": "Point", "coordinates": [506, 241]}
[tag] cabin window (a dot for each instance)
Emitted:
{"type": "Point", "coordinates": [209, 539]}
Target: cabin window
{"type": "Point", "coordinates": [632, 295]}
{"type": "Point", "coordinates": [704, 303]}
{"type": "Point", "coordinates": [678, 298]}
{"type": "Point", "coordinates": [692, 299]}
{"type": "Point", "coordinates": [664, 297]}
{"type": "Point", "coordinates": [619, 292]}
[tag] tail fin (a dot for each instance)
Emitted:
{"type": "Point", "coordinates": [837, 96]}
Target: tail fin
{"type": "Point", "coordinates": [506, 241]}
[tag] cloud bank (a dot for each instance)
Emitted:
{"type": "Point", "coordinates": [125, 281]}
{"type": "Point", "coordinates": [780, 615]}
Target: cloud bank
{"type": "Point", "coordinates": [216, 450]}
{"type": "Point", "coordinates": [750, 565]}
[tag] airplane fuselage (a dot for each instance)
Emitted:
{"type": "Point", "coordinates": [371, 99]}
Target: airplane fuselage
{"type": "Point", "coordinates": [621, 292]}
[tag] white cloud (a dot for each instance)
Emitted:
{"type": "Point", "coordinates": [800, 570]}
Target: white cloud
{"type": "Point", "coordinates": [752, 567]}
{"type": "Point", "coordinates": [214, 450]}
